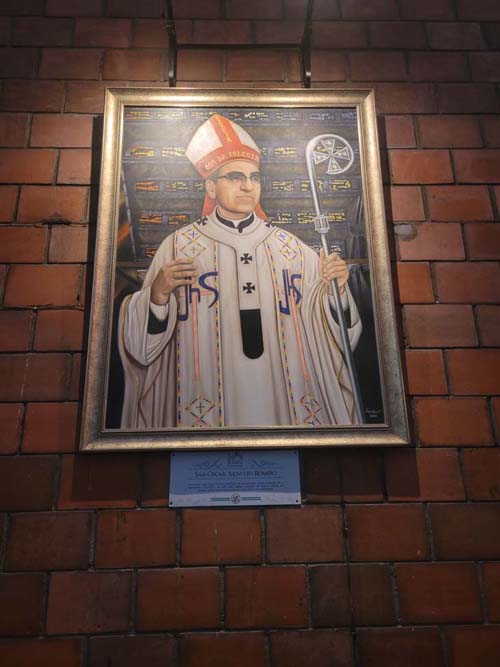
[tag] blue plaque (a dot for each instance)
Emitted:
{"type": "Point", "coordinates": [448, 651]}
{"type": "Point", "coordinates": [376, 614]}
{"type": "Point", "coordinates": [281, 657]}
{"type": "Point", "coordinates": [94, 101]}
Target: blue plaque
{"type": "Point", "coordinates": [232, 478]}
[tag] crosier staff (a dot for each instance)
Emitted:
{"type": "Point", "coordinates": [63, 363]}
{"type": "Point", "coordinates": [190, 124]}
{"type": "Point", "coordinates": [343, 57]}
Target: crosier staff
{"type": "Point", "coordinates": [340, 157]}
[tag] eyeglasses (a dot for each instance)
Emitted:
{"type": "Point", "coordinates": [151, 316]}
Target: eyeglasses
{"type": "Point", "coordinates": [239, 177]}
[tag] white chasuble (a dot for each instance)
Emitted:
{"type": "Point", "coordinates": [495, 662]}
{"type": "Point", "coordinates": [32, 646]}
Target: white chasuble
{"type": "Point", "coordinates": [254, 342]}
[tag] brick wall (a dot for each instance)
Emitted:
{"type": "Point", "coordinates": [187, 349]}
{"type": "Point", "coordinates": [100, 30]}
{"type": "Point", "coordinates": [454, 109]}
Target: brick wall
{"type": "Point", "coordinates": [390, 562]}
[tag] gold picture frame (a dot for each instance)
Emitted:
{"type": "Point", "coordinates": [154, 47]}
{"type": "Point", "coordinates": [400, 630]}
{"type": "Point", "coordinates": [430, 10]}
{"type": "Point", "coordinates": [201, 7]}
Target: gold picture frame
{"type": "Point", "coordinates": [142, 196]}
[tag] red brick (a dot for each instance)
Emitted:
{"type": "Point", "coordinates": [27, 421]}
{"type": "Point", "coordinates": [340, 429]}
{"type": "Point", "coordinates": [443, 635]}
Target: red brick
{"type": "Point", "coordinates": [483, 241]}
{"type": "Point", "coordinates": [405, 203]}
{"type": "Point", "coordinates": [495, 406]}
{"type": "Point", "coordinates": [152, 33]}
{"type": "Point", "coordinates": [220, 536]}
{"type": "Point", "coordinates": [377, 66]}
{"type": "Point", "coordinates": [453, 421]}
{"type": "Point", "coordinates": [386, 532]}
{"type": "Point", "coordinates": [200, 9]}
{"type": "Point", "coordinates": [466, 531]}
{"type": "Point", "coordinates": [85, 97]}
{"type": "Point", "coordinates": [491, 33]}
{"type": "Point", "coordinates": [48, 541]}
{"type": "Point", "coordinates": [10, 425]}
{"type": "Point", "coordinates": [394, 647]}
{"type": "Point", "coordinates": [491, 131]}
{"type": "Point", "coordinates": [485, 66]}
{"type": "Point", "coordinates": [425, 370]}
{"type": "Point", "coordinates": [394, 98]}
{"type": "Point", "coordinates": [131, 8]}
{"type": "Point", "coordinates": [427, 9]}
{"type": "Point", "coordinates": [28, 483]}
{"type": "Point", "coordinates": [477, 166]}
{"type": "Point", "coordinates": [59, 330]}
{"type": "Point", "coordinates": [69, 244]}
{"type": "Point", "coordinates": [239, 32]}
{"type": "Point", "coordinates": [132, 651]}
{"type": "Point", "coordinates": [340, 34]}
{"type": "Point", "coordinates": [415, 166]}
{"type": "Point", "coordinates": [474, 371]}
{"type": "Point", "coordinates": [88, 602]}
{"type": "Point", "coordinates": [50, 427]}
{"type": "Point", "coordinates": [472, 282]}
{"type": "Point", "coordinates": [496, 191]}
{"type": "Point", "coordinates": [488, 319]}
{"type": "Point", "coordinates": [34, 377]}
{"type": "Point", "coordinates": [74, 166]}
{"type": "Point", "coordinates": [455, 36]}
{"type": "Point", "coordinates": [70, 64]}
{"type": "Point", "coordinates": [440, 325]}
{"type": "Point", "coordinates": [21, 599]}
{"type": "Point", "coordinates": [467, 98]}
{"type": "Point", "coordinates": [263, 597]}
{"type": "Point", "coordinates": [449, 132]}
{"type": "Point", "coordinates": [414, 282]}
{"type": "Point", "coordinates": [22, 245]}
{"type": "Point", "coordinates": [210, 650]}
{"type": "Point", "coordinates": [41, 652]}
{"type": "Point", "coordinates": [491, 579]}
{"type": "Point", "coordinates": [61, 131]}
{"type": "Point", "coordinates": [32, 96]}
{"type": "Point", "coordinates": [200, 65]}
{"type": "Point", "coordinates": [378, 9]}
{"type": "Point", "coordinates": [304, 535]}
{"type": "Point", "coordinates": [321, 476]}
{"type": "Point", "coordinates": [13, 130]}
{"type": "Point", "coordinates": [57, 204]}
{"type": "Point", "coordinates": [21, 7]}
{"type": "Point", "coordinates": [397, 35]}
{"type": "Point", "coordinates": [482, 468]}
{"type": "Point", "coordinates": [77, 379]}
{"type": "Point", "coordinates": [73, 8]}
{"type": "Point", "coordinates": [371, 593]}
{"type": "Point", "coordinates": [362, 476]}
{"type": "Point", "coordinates": [474, 646]}
{"type": "Point", "coordinates": [55, 285]}
{"type": "Point", "coordinates": [459, 202]}
{"type": "Point", "coordinates": [15, 329]}
{"type": "Point", "coordinates": [423, 474]}
{"type": "Point", "coordinates": [18, 63]}
{"type": "Point", "coordinates": [103, 32]}
{"type": "Point", "coordinates": [132, 65]}
{"type": "Point", "coordinates": [259, 9]}
{"type": "Point", "coordinates": [438, 593]}
{"type": "Point", "coordinates": [155, 476]}
{"type": "Point", "coordinates": [8, 201]}
{"type": "Point", "coordinates": [192, 594]}
{"type": "Point", "coordinates": [27, 165]}
{"type": "Point", "coordinates": [42, 32]}
{"type": "Point", "coordinates": [330, 595]}
{"type": "Point", "coordinates": [328, 66]}
{"type": "Point", "coordinates": [432, 241]}
{"type": "Point", "coordinates": [431, 66]}
{"type": "Point", "coordinates": [312, 647]}
{"type": "Point", "coordinates": [102, 481]}
{"type": "Point", "coordinates": [399, 131]}
{"type": "Point", "coordinates": [254, 66]}
{"type": "Point", "coordinates": [5, 30]}
{"type": "Point", "coordinates": [135, 538]}
{"type": "Point", "coordinates": [481, 10]}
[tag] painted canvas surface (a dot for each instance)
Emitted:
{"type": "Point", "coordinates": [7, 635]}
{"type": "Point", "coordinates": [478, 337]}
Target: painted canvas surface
{"type": "Point", "coordinates": [247, 335]}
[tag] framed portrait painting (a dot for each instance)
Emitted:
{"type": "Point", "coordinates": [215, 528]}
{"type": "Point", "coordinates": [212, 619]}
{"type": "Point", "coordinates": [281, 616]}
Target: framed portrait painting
{"type": "Point", "coordinates": [242, 288]}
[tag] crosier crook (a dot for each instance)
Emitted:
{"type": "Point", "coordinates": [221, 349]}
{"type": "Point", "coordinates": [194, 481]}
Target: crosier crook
{"type": "Point", "coordinates": [339, 160]}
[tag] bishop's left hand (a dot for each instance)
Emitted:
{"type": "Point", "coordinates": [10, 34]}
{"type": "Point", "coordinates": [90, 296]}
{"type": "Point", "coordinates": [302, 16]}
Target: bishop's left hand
{"type": "Point", "coordinates": [332, 267]}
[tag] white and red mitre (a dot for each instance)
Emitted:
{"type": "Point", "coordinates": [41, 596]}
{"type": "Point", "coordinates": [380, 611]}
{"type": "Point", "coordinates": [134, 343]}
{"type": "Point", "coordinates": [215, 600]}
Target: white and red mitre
{"type": "Point", "coordinates": [218, 141]}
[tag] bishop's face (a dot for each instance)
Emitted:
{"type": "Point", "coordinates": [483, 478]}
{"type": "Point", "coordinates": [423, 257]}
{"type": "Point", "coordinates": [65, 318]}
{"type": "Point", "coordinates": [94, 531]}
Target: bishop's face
{"type": "Point", "coordinates": [235, 188]}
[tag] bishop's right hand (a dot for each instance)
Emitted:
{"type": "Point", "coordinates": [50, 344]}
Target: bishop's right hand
{"type": "Point", "coordinates": [171, 275]}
